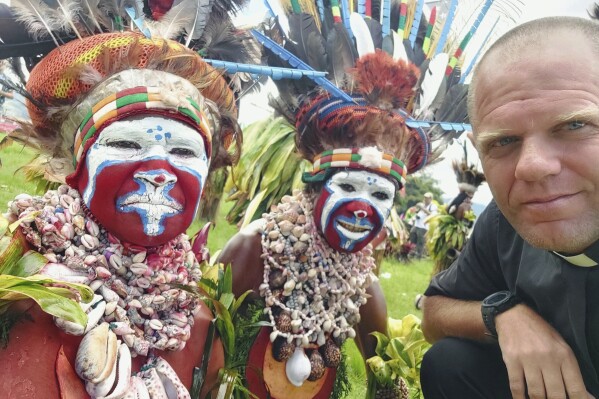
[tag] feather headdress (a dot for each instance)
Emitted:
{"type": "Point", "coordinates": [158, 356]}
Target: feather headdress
{"type": "Point", "coordinates": [125, 48]}
{"type": "Point", "coordinates": [393, 75]}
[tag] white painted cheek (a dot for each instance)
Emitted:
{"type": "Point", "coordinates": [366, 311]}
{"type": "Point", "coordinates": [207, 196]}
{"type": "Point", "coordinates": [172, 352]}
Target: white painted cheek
{"type": "Point", "coordinates": [330, 203]}
{"type": "Point", "coordinates": [95, 157]}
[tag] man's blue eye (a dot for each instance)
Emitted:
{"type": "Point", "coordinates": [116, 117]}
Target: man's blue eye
{"type": "Point", "coordinates": [504, 141]}
{"type": "Point", "coordinates": [575, 125]}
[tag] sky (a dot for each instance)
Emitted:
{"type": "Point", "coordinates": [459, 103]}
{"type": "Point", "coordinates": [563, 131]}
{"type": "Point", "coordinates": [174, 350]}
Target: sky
{"type": "Point", "coordinates": [254, 106]}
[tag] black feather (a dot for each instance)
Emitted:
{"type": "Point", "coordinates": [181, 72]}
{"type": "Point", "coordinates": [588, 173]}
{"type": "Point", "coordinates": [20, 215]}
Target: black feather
{"type": "Point", "coordinates": [388, 44]}
{"type": "Point", "coordinates": [219, 41]}
{"type": "Point", "coordinates": [308, 40]}
{"type": "Point", "coordinates": [394, 17]}
{"type": "Point", "coordinates": [376, 32]}
{"type": "Point", "coordinates": [409, 51]}
{"type": "Point", "coordinates": [454, 77]}
{"type": "Point", "coordinates": [454, 107]}
{"type": "Point", "coordinates": [342, 54]}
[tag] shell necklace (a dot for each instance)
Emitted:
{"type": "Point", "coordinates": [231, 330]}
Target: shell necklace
{"type": "Point", "coordinates": [312, 292]}
{"type": "Point", "coordinates": [134, 300]}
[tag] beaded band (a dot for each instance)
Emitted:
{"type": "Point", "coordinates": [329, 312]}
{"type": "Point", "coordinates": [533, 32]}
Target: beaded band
{"type": "Point", "coordinates": [368, 158]}
{"type": "Point", "coordinates": [138, 100]}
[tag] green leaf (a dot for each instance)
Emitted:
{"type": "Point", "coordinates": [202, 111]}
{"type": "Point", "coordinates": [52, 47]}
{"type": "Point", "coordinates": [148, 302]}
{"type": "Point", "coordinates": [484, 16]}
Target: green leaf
{"type": "Point", "coordinates": [3, 225]}
{"type": "Point", "coordinates": [251, 208]}
{"type": "Point", "coordinates": [227, 299]}
{"type": "Point", "coordinates": [381, 342]}
{"type": "Point", "coordinates": [50, 302]}
{"type": "Point", "coordinates": [239, 301]}
{"type": "Point", "coordinates": [228, 280]}
{"type": "Point", "coordinates": [31, 263]}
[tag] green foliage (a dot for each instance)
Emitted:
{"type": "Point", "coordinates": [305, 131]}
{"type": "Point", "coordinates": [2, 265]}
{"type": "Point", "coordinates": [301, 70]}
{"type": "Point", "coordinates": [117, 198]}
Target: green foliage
{"type": "Point", "coordinates": [416, 186]}
{"type": "Point", "coordinates": [269, 168]}
{"type": "Point", "coordinates": [446, 236]}
{"type": "Point", "coordinates": [13, 182]}
{"type": "Point", "coordinates": [399, 355]}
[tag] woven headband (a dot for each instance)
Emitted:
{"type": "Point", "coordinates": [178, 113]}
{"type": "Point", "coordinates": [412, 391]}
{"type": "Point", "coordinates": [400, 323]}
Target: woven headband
{"type": "Point", "coordinates": [369, 158]}
{"type": "Point", "coordinates": [139, 100]}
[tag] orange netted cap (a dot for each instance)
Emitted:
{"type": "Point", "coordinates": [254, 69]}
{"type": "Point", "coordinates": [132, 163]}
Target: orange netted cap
{"type": "Point", "coordinates": [69, 72]}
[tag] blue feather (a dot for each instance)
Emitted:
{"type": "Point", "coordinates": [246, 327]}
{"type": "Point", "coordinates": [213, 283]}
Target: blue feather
{"type": "Point", "coordinates": [362, 7]}
{"type": "Point", "coordinates": [481, 16]}
{"type": "Point", "coordinates": [345, 12]}
{"type": "Point", "coordinates": [269, 8]}
{"type": "Point", "coordinates": [447, 26]}
{"type": "Point", "coordinates": [275, 73]}
{"type": "Point", "coordinates": [416, 22]}
{"type": "Point", "coordinates": [446, 126]}
{"type": "Point", "coordinates": [320, 5]}
{"type": "Point", "coordinates": [299, 64]}
{"type": "Point", "coordinates": [139, 22]}
{"type": "Point", "coordinates": [478, 53]}
{"type": "Point", "coordinates": [386, 20]}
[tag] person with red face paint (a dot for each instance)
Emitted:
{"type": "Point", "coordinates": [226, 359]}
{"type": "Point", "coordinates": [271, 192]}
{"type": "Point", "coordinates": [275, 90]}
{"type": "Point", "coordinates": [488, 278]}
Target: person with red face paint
{"type": "Point", "coordinates": [133, 123]}
{"type": "Point", "coordinates": [308, 262]}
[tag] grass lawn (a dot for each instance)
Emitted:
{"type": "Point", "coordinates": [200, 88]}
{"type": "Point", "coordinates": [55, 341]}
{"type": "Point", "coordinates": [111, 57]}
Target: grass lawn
{"type": "Point", "coordinates": [400, 282]}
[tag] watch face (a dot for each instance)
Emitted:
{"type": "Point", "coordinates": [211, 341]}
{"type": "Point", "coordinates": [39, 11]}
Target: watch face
{"type": "Point", "coordinates": [497, 298]}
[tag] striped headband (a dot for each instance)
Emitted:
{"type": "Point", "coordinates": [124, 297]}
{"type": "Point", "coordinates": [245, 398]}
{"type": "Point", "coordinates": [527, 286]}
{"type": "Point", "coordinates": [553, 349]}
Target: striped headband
{"type": "Point", "coordinates": [139, 100]}
{"type": "Point", "coordinates": [368, 158]}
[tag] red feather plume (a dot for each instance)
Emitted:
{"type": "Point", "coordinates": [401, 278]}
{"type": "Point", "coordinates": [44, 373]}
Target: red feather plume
{"type": "Point", "coordinates": [385, 82]}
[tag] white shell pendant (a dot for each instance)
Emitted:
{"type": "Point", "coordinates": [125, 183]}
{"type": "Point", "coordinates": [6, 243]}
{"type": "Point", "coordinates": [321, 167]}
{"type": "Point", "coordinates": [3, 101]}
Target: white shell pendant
{"type": "Point", "coordinates": [298, 367]}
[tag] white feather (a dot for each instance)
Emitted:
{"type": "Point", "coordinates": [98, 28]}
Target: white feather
{"type": "Point", "coordinates": [196, 27]}
{"type": "Point", "coordinates": [32, 13]}
{"type": "Point", "coordinates": [90, 75]}
{"type": "Point", "coordinates": [364, 43]}
{"type": "Point", "coordinates": [174, 21]}
{"type": "Point", "coordinates": [69, 9]}
{"type": "Point", "coordinates": [399, 51]}
{"type": "Point", "coordinates": [96, 14]}
{"type": "Point", "coordinates": [433, 77]}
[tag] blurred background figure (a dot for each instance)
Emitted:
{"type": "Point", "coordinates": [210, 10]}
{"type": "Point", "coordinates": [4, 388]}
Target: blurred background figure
{"type": "Point", "coordinates": [420, 224]}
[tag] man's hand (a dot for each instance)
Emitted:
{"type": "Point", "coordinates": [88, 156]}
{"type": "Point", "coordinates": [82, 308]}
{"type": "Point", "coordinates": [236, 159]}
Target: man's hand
{"type": "Point", "coordinates": [537, 358]}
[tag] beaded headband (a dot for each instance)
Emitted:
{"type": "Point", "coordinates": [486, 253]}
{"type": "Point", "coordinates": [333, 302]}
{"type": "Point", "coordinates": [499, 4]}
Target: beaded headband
{"type": "Point", "coordinates": [368, 158]}
{"type": "Point", "coordinates": [139, 100]}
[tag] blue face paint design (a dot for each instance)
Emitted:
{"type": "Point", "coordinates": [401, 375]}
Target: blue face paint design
{"type": "Point", "coordinates": [346, 242]}
{"type": "Point", "coordinates": [152, 203]}
{"type": "Point", "coordinates": [157, 136]}
{"type": "Point", "coordinates": [90, 190]}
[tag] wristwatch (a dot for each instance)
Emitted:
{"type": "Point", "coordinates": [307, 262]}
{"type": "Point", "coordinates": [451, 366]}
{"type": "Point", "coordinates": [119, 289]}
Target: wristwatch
{"type": "Point", "coordinates": [495, 304]}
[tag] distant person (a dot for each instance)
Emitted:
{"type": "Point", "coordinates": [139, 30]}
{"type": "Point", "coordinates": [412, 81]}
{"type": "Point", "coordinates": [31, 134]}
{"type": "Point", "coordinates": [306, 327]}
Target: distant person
{"type": "Point", "coordinates": [517, 315]}
{"type": "Point", "coordinates": [420, 226]}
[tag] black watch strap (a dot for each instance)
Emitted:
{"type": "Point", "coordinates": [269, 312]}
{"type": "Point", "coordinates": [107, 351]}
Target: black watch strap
{"type": "Point", "coordinates": [495, 304]}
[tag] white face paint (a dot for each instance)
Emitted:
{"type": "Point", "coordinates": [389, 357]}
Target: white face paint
{"type": "Point", "coordinates": [155, 161]}
{"type": "Point", "coordinates": [354, 204]}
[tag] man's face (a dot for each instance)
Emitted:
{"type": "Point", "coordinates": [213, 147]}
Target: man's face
{"type": "Point", "coordinates": [143, 178]}
{"type": "Point", "coordinates": [537, 131]}
{"type": "Point", "coordinates": [352, 208]}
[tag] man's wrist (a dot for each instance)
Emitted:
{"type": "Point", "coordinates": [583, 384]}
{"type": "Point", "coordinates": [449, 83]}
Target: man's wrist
{"type": "Point", "coordinates": [494, 305]}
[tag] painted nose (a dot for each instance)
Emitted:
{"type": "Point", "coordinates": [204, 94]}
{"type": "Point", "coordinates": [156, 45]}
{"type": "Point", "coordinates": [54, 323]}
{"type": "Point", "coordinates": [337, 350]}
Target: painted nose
{"type": "Point", "coordinates": [156, 178]}
{"type": "Point", "coordinates": [359, 209]}
{"type": "Point", "coordinates": [360, 214]}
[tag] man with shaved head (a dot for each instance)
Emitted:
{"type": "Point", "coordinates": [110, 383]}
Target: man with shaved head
{"type": "Point", "coordinates": [517, 315]}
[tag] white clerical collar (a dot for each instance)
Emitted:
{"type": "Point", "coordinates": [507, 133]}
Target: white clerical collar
{"type": "Point", "coordinates": [578, 260]}
{"type": "Point", "coordinates": [588, 258]}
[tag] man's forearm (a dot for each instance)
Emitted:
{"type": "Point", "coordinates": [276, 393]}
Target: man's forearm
{"type": "Point", "coordinates": [448, 317]}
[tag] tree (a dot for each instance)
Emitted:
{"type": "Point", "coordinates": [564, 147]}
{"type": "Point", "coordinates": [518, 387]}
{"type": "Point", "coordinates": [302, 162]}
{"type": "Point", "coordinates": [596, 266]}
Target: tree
{"type": "Point", "coordinates": [415, 188]}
